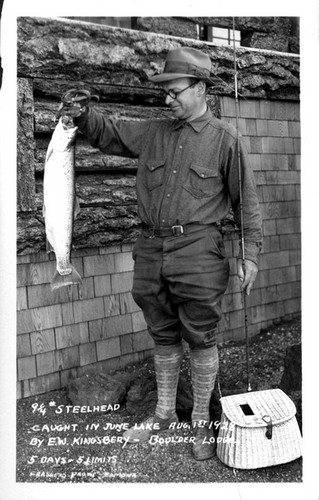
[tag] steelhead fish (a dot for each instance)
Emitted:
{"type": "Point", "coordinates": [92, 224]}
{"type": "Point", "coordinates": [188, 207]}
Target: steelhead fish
{"type": "Point", "coordinates": [60, 204]}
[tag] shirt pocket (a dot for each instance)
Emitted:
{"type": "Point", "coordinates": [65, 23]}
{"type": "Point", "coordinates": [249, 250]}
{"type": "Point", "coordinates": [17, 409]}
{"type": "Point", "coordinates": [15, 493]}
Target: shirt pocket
{"type": "Point", "coordinates": [203, 182]}
{"type": "Point", "coordinates": [153, 173]}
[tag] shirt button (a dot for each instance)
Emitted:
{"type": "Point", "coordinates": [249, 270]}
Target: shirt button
{"type": "Point", "coordinates": [202, 175]}
{"type": "Point", "coordinates": [168, 195]}
{"type": "Point", "coordinates": [163, 220]}
{"type": "Point", "coordinates": [181, 147]}
{"type": "Point", "coordinates": [174, 171]}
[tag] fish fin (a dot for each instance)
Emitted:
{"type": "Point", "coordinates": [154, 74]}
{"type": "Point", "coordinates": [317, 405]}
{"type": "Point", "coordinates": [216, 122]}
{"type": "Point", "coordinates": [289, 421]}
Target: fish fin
{"type": "Point", "coordinates": [48, 247]}
{"type": "Point", "coordinates": [48, 154]}
{"type": "Point", "coordinates": [60, 280]}
{"type": "Point", "coordinates": [77, 208]}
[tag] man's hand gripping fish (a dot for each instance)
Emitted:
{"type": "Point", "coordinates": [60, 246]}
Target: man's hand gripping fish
{"type": "Point", "coordinates": [60, 203]}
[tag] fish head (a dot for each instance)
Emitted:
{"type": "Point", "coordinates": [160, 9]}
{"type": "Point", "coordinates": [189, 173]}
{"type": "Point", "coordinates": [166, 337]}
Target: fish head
{"type": "Point", "coordinates": [64, 134]}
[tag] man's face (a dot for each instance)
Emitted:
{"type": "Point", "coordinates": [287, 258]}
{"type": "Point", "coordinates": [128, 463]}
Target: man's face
{"type": "Point", "coordinates": [186, 105]}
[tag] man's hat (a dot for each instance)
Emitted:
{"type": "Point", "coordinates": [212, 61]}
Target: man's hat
{"type": "Point", "coordinates": [185, 62]}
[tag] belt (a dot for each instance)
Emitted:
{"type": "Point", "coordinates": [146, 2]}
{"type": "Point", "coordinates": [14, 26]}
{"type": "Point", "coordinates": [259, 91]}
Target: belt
{"type": "Point", "coordinates": [177, 230]}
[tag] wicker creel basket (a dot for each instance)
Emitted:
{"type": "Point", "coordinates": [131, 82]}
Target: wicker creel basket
{"type": "Point", "coordinates": [258, 429]}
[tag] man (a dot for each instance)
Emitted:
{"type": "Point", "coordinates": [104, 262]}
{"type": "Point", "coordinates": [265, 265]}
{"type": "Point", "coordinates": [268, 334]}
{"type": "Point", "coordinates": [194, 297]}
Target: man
{"type": "Point", "coordinates": [187, 179]}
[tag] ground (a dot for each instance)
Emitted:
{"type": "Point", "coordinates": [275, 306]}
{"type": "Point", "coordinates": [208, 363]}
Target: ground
{"type": "Point", "coordinates": [50, 434]}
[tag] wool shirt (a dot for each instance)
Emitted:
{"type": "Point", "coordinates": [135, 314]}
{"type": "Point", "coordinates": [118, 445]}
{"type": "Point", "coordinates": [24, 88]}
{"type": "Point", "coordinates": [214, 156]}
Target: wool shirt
{"type": "Point", "coordinates": [187, 170]}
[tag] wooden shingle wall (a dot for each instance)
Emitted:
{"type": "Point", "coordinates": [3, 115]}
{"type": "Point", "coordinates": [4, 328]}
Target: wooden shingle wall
{"type": "Point", "coordinates": [272, 134]}
{"type": "Point", "coordinates": [61, 335]}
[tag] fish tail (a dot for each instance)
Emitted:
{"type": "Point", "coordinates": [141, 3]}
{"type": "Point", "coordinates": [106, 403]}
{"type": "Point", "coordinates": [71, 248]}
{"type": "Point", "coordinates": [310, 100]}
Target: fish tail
{"type": "Point", "coordinates": [59, 280]}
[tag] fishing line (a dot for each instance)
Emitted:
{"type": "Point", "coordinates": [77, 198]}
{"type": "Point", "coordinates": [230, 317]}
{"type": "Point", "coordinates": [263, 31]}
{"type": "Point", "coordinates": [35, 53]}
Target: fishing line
{"type": "Point", "coordinates": [241, 208]}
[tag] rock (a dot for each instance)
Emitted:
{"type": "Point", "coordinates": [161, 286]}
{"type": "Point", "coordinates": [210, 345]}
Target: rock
{"type": "Point", "coordinates": [96, 389]}
{"type": "Point", "coordinates": [142, 395]}
{"type": "Point", "coordinates": [126, 378]}
{"type": "Point", "coordinates": [291, 378]}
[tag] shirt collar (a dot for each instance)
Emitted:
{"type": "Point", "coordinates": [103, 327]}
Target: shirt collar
{"type": "Point", "coordinates": [198, 124]}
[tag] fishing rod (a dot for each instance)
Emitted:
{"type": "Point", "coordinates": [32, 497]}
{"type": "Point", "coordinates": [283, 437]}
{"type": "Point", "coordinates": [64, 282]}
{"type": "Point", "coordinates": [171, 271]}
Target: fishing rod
{"type": "Point", "coordinates": [241, 209]}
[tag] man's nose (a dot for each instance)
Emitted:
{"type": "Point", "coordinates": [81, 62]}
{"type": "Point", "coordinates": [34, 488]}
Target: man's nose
{"type": "Point", "coordinates": [168, 99]}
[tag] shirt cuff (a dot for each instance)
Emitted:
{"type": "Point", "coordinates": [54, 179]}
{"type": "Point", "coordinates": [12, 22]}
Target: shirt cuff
{"type": "Point", "coordinates": [252, 250]}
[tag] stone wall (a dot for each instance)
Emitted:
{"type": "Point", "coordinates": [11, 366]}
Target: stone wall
{"type": "Point", "coordinates": [61, 335]}
{"type": "Point", "coordinates": [53, 56]}
{"type": "Point", "coordinates": [271, 33]}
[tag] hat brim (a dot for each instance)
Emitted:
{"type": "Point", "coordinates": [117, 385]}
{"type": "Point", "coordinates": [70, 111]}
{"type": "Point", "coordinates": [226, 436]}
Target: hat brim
{"type": "Point", "coordinates": [166, 77]}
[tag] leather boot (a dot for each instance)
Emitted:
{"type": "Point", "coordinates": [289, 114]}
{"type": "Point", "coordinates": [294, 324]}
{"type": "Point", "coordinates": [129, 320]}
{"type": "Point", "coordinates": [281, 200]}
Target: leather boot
{"type": "Point", "coordinates": [205, 443]}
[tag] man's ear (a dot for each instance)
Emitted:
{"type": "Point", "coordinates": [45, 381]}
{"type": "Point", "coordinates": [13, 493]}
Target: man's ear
{"type": "Point", "coordinates": [201, 88]}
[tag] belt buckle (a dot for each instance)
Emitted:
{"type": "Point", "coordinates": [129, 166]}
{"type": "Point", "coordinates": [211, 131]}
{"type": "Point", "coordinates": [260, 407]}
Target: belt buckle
{"type": "Point", "coordinates": [177, 230]}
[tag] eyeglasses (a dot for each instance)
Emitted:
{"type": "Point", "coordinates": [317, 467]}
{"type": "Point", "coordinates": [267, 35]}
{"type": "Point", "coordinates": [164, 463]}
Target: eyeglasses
{"type": "Point", "coordinates": [175, 93]}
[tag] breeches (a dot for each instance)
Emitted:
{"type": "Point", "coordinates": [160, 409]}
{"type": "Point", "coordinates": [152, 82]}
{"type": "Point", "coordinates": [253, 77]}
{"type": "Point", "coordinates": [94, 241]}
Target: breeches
{"type": "Point", "coordinates": [179, 283]}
